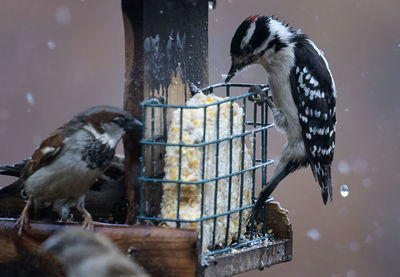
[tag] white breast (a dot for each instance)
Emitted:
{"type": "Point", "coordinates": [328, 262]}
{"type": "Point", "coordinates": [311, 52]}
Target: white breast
{"type": "Point", "coordinates": [278, 66]}
{"type": "Point", "coordinates": [65, 177]}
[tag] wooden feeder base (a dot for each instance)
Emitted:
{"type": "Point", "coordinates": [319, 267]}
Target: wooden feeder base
{"type": "Point", "coordinates": [161, 251]}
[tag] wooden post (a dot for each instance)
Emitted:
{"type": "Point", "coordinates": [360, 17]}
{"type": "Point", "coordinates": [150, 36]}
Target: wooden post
{"type": "Point", "coordinates": [166, 47]}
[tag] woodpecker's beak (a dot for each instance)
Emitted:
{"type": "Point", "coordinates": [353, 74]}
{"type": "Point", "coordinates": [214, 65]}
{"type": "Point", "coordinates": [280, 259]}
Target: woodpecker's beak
{"type": "Point", "coordinates": [231, 73]}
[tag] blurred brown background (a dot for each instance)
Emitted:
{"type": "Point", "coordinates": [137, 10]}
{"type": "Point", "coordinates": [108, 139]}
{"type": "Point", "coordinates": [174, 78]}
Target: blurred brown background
{"type": "Point", "coordinates": [59, 57]}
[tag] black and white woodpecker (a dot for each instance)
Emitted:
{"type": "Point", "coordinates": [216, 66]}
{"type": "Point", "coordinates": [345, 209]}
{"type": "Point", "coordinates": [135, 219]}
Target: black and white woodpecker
{"type": "Point", "coordinates": [303, 96]}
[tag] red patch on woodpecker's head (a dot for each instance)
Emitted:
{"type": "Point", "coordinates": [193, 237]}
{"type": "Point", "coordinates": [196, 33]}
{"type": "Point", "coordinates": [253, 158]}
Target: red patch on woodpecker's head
{"type": "Point", "coordinates": [252, 18]}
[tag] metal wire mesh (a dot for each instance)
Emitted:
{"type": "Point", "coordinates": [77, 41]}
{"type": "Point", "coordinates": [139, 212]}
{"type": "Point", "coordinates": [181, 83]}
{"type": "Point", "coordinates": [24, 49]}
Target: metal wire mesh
{"type": "Point", "coordinates": [254, 131]}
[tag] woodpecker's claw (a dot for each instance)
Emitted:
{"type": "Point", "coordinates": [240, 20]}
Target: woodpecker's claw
{"type": "Point", "coordinates": [261, 96]}
{"type": "Point", "coordinates": [194, 89]}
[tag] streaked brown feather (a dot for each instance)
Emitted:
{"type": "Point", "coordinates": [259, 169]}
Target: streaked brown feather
{"type": "Point", "coordinates": [42, 156]}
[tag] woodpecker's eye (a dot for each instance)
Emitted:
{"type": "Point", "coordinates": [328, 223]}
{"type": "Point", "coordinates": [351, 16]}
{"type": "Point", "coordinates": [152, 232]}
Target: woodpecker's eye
{"type": "Point", "coordinates": [247, 49]}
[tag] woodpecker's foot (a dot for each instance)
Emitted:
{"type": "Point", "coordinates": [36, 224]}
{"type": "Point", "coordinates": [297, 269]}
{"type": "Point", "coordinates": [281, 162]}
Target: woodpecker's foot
{"type": "Point", "coordinates": [261, 96]}
{"type": "Point", "coordinates": [23, 220]}
{"type": "Point", "coordinates": [194, 89]}
{"type": "Point", "coordinates": [157, 100]}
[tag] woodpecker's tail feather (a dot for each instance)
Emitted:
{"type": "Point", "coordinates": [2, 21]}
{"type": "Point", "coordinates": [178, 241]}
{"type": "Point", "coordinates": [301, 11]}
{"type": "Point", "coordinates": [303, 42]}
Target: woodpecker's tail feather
{"type": "Point", "coordinates": [322, 175]}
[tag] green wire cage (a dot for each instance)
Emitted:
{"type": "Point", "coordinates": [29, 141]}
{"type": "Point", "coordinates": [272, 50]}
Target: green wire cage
{"type": "Point", "coordinates": [225, 226]}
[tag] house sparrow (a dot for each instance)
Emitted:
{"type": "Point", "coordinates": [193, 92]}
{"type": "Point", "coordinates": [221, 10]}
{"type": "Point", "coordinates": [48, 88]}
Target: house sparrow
{"type": "Point", "coordinates": [107, 194]}
{"type": "Point", "coordinates": [87, 254]}
{"type": "Point", "coordinates": [69, 161]}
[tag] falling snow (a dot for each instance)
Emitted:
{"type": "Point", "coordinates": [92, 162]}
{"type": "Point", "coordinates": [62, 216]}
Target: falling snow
{"type": "Point", "coordinates": [366, 182]}
{"type": "Point", "coordinates": [354, 246]}
{"type": "Point", "coordinates": [351, 273]}
{"type": "Point", "coordinates": [314, 234]}
{"type": "Point", "coordinates": [51, 44]}
{"type": "Point", "coordinates": [360, 167]}
{"type": "Point", "coordinates": [30, 98]}
{"type": "Point", "coordinates": [368, 239]}
{"type": "Point", "coordinates": [343, 167]}
{"type": "Point", "coordinates": [223, 76]}
{"type": "Point", "coordinates": [63, 15]}
{"type": "Point", "coordinates": [379, 231]}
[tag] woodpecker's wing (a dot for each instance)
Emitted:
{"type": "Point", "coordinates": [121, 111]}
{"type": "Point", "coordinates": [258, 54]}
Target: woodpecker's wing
{"type": "Point", "coordinates": [314, 93]}
{"type": "Point", "coordinates": [46, 152]}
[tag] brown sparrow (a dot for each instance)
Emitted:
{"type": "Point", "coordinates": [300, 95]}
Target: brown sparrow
{"type": "Point", "coordinates": [69, 160]}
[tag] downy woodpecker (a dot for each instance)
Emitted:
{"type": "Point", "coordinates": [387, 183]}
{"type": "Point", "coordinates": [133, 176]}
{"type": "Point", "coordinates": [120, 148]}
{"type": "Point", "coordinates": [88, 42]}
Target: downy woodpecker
{"type": "Point", "coordinates": [303, 94]}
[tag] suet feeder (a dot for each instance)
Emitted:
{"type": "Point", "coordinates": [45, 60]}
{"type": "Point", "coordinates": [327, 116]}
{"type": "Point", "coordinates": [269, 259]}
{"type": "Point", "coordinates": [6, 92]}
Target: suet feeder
{"type": "Point", "coordinates": [166, 49]}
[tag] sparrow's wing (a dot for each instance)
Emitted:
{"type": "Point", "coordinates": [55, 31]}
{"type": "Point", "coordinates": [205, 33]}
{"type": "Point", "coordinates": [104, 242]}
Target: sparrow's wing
{"type": "Point", "coordinates": [115, 172]}
{"type": "Point", "coordinates": [13, 170]}
{"type": "Point", "coordinates": [46, 152]}
{"type": "Point", "coordinates": [11, 189]}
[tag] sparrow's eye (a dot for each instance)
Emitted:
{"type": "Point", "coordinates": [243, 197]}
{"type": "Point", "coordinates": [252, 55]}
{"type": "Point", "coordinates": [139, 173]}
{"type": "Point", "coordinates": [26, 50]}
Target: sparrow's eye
{"type": "Point", "coordinates": [120, 120]}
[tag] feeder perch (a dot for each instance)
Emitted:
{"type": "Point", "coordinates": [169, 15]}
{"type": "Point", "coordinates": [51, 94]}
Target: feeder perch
{"type": "Point", "coordinates": [166, 49]}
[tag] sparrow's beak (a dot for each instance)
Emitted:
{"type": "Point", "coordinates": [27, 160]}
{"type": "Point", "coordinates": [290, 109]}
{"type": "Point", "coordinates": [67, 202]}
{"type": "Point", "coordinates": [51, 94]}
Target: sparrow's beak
{"type": "Point", "coordinates": [133, 126]}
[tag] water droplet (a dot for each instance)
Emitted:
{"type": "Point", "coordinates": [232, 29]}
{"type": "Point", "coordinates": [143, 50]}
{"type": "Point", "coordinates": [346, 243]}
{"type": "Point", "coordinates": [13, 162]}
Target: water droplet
{"type": "Point", "coordinates": [63, 15]}
{"type": "Point", "coordinates": [211, 5]}
{"type": "Point", "coordinates": [51, 44]}
{"type": "Point", "coordinates": [30, 99]}
{"type": "Point", "coordinates": [344, 190]}
{"type": "Point", "coordinates": [314, 234]}
{"type": "Point", "coordinates": [343, 167]}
